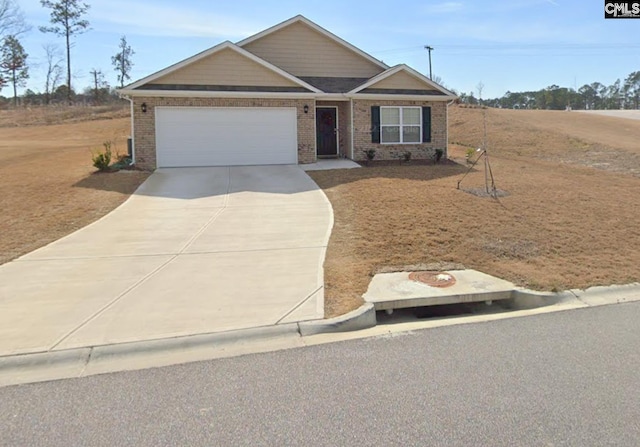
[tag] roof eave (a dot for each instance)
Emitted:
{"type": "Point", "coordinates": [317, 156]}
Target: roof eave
{"type": "Point", "coordinates": [391, 97]}
{"type": "Point", "coordinates": [214, 94]}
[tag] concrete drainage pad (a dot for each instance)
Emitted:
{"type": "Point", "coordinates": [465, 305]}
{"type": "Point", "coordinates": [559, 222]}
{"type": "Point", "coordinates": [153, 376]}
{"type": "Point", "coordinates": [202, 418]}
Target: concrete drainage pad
{"type": "Point", "coordinates": [414, 289]}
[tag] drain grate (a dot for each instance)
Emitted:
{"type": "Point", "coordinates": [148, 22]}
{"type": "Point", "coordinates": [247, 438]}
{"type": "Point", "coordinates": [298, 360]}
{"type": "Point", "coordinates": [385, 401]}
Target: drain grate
{"type": "Point", "coordinates": [433, 279]}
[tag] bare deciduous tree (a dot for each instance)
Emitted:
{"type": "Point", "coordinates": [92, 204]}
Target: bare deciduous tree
{"type": "Point", "coordinates": [12, 20]}
{"type": "Point", "coordinates": [480, 88]}
{"type": "Point", "coordinates": [53, 73]}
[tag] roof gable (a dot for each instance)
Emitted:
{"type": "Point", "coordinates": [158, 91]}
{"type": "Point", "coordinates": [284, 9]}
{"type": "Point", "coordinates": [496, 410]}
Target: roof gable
{"type": "Point", "coordinates": [402, 78]}
{"type": "Point", "coordinates": [226, 67]}
{"type": "Point", "coordinates": [224, 64]}
{"type": "Point", "coordinates": [303, 48]}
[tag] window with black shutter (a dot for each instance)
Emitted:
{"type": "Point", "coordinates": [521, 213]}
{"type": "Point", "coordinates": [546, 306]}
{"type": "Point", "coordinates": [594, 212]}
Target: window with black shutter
{"type": "Point", "coordinates": [375, 124]}
{"type": "Point", "coordinates": [426, 124]}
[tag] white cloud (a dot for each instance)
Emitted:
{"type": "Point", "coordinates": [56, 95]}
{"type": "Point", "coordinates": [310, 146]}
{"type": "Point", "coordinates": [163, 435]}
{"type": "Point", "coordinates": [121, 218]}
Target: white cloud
{"type": "Point", "coordinates": [153, 19]}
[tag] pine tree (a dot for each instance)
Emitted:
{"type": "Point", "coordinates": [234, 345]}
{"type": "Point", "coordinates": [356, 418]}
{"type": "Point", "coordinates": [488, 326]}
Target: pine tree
{"type": "Point", "coordinates": [13, 64]}
{"type": "Point", "coordinates": [66, 17]}
{"type": "Point", "coordinates": [122, 61]}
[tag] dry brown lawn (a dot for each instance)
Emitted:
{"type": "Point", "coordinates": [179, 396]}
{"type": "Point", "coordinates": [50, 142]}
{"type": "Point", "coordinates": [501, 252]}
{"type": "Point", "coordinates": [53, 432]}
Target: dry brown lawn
{"type": "Point", "coordinates": [570, 219]}
{"type": "Point", "coordinates": [48, 187]}
{"type": "Point", "coordinates": [60, 114]}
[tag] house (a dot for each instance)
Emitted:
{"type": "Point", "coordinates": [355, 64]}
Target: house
{"type": "Point", "coordinates": [290, 94]}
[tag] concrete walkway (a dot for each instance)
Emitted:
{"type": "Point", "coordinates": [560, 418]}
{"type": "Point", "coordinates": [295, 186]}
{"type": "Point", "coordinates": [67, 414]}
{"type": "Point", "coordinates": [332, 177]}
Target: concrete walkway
{"type": "Point", "coordinates": [193, 251]}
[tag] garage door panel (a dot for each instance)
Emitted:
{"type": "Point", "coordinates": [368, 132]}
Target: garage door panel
{"type": "Point", "coordinates": [198, 136]}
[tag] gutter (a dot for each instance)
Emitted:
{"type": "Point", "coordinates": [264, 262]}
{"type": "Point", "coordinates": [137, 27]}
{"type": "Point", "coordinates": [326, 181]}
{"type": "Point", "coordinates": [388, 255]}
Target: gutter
{"type": "Point", "coordinates": [446, 138]}
{"type": "Point", "coordinates": [281, 95]}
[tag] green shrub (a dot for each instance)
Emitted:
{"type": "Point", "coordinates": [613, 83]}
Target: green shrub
{"type": "Point", "coordinates": [470, 152]}
{"type": "Point", "coordinates": [102, 160]}
{"type": "Point", "coordinates": [370, 153]}
{"type": "Point", "coordinates": [406, 156]}
{"type": "Point", "coordinates": [122, 158]}
{"type": "Point", "coordinates": [439, 154]}
{"type": "Point", "coordinates": [122, 163]}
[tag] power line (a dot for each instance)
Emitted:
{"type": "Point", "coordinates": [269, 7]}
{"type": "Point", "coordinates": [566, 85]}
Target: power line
{"type": "Point", "coordinates": [479, 48]}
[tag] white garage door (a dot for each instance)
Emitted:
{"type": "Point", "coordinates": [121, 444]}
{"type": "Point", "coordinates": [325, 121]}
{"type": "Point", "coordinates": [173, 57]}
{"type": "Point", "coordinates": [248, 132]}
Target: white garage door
{"type": "Point", "coordinates": [221, 136]}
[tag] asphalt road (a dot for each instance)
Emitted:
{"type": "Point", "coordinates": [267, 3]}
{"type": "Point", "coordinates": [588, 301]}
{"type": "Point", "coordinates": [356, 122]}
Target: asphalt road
{"type": "Point", "coordinates": [564, 379]}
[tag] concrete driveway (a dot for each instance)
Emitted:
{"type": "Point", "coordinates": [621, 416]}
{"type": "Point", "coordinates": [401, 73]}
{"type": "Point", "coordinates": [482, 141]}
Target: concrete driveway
{"type": "Point", "coordinates": [193, 251]}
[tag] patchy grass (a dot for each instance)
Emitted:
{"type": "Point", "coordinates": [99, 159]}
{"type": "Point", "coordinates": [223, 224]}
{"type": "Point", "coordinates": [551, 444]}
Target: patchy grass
{"type": "Point", "coordinates": [48, 186]}
{"type": "Point", "coordinates": [562, 225]}
{"type": "Point", "coordinates": [59, 114]}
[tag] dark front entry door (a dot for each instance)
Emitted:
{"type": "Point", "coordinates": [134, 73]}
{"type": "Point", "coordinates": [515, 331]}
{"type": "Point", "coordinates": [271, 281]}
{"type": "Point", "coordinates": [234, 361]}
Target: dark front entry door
{"type": "Point", "coordinates": [326, 132]}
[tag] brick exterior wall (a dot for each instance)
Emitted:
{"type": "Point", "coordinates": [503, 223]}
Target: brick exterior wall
{"type": "Point", "coordinates": [145, 133]}
{"type": "Point", "coordinates": [362, 131]}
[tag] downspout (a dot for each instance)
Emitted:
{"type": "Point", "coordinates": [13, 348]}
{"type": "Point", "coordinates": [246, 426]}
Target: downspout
{"type": "Point", "coordinates": [133, 133]}
{"type": "Point", "coordinates": [352, 128]}
{"type": "Point", "coordinates": [446, 142]}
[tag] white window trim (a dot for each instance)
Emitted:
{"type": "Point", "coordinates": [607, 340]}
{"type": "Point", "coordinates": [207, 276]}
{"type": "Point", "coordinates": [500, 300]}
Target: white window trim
{"type": "Point", "coordinates": [401, 108]}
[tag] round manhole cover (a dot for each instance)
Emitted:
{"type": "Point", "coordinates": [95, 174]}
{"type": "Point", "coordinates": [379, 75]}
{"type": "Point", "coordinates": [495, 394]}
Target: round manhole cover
{"type": "Point", "coordinates": [433, 279]}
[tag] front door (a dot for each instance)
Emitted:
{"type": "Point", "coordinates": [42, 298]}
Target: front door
{"type": "Point", "coordinates": [326, 132]}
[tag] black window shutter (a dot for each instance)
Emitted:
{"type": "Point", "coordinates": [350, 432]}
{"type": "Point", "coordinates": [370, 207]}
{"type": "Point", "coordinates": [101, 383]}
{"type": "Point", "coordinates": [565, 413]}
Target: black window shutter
{"type": "Point", "coordinates": [426, 124]}
{"type": "Point", "coordinates": [375, 124]}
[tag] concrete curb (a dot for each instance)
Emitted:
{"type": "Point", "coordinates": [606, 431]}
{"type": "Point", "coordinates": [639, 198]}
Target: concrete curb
{"type": "Point", "coordinates": [524, 299]}
{"type": "Point", "coordinates": [363, 317]}
{"type": "Point", "coordinates": [194, 341]}
{"type": "Point", "coordinates": [78, 362]}
{"type": "Point", "coordinates": [158, 345]}
{"type": "Point", "coordinates": [604, 295]}
{"type": "Point", "coordinates": [44, 359]}
{"type": "Point", "coordinates": [593, 296]}
{"type": "Point", "coordinates": [84, 361]}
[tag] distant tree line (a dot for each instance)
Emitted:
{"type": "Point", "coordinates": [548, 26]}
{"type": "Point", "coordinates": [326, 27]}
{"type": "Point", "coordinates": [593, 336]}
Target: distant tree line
{"type": "Point", "coordinates": [595, 96]}
{"type": "Point", "coordinates": [67, 18]}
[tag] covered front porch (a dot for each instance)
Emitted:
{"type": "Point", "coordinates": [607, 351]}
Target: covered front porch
{"type": "Point", "coordinates": [333, 129]}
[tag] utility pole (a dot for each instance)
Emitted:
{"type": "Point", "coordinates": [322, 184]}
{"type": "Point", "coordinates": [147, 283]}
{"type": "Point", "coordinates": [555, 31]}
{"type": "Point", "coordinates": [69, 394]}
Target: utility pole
{"type": "Point", "coordinates": [429, 48]}
{"type": "Point", "coordinates": [97, 83]}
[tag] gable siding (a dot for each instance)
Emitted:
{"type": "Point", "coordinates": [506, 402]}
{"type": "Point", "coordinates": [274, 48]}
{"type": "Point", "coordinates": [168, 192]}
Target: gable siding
{"type": "Point", "coordinates": [302, 51]}
{"type": "Point", "coordinates": [226, 68]}
{"type": "Point", "coordinates": [402, 80]}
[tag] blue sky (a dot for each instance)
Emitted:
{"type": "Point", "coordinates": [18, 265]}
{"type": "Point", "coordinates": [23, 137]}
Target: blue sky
{"type": "Point", "coordinates": [511, 45]}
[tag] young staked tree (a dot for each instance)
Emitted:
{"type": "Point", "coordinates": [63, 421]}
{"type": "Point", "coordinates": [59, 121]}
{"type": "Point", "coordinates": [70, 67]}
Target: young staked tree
{"type": "Point", "coordinates": [67, 19]}
{"type": "Point", "coordinates": [13, 64]}
{"type": "Point", "coordinates": [122, 61]}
